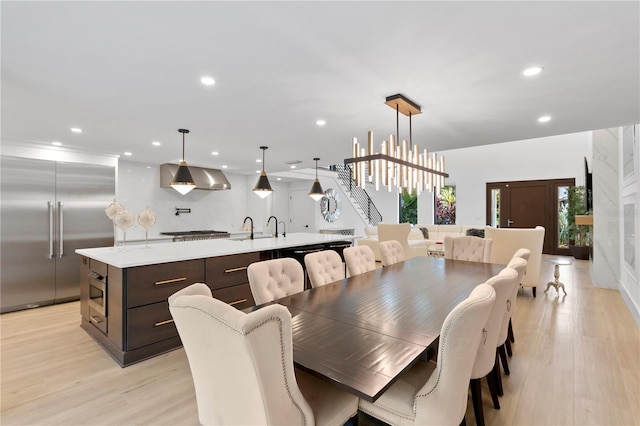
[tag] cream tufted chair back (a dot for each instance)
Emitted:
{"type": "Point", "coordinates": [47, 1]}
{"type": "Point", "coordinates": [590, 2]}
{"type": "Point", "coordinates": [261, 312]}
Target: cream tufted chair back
{"type": "Point", "coordinates": [324, 267]}
{"type": "Point", "coordinates": [485, 361]}
{"type": "Point", "coordinates": [276, 278]}
{"type": "Point", "coordinates": [520, 265]}
{"type": "Point", "coordinates": [359, 259]}
{"type": "Point", "coordinates": [242, 366]}
{"type": "Point", "coordinates": [441, 398]}
{"type": "Point", "coordinates": [473, 249]}
{"type": "Point", "coordinates": [391, 252]}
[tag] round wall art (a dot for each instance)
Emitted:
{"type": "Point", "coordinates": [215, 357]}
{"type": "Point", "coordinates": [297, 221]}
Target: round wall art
{"type": "Point", "coordinates": [330, 205]}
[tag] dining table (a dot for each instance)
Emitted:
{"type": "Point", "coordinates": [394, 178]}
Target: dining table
{"type": "Point", "coordinates": [364, 331]}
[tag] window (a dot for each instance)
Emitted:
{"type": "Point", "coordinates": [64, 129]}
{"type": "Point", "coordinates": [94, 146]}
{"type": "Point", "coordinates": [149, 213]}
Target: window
{"type": "Point", "coordinates": [445, 206]}
{"type": "Point", "coordinates": [408, 208]}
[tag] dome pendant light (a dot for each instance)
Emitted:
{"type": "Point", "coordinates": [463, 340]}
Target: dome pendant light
{"type": "Point", "coordinates": [316, 189]}
{"type": "Point", "coordinates": [263, 187]}
{"type": "Point", "coordinates": [183, 181]}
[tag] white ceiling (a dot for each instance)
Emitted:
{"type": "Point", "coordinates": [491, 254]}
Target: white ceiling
{"type": "Point", "coordinates": [128, 73]}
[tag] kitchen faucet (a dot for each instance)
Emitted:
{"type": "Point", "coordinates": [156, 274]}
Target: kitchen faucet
{"type": "Point", "coordinates": [276, 220]}
{"type": "Point", "coordinates": [245, 221]}
{"type": "Point", "coordinates": [284, 228]}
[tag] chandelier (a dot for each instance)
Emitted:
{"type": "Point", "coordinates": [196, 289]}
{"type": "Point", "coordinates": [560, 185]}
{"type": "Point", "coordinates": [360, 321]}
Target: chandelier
{"type": "Point", "coordinates": [397, 165]}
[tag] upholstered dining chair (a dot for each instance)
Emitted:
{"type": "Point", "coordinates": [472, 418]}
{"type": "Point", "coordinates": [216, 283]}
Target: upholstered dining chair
{"type": "Point", "coordinates": [242, 366]}
{"type": "Point", "coordinates": [391, 252]}
{"type": "Point", "coordinates": [524, 254]}
{"type": "Point", "coordinates": [324, 267]}
{"type": "Point", "coordinates": [473, 249]}
{"type": "Point", "coordinates": [359, 259]}
{"type": "Point", "coordinates": [504, 343]}
{"type": "Point", "coordinates": [506, 241]}
{"type": "Point", "coordinates": [436, 394]}
{"type": "Point", "coordinates": [399, 232]}
{"type": "Point", "coordinates": [275, 278]}
{"type": "Point", "coordinates": [485, 364]}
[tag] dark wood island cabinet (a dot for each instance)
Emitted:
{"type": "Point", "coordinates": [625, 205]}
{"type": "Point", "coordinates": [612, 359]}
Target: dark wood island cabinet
{"type": "Point", "coordinates": [125, 309]}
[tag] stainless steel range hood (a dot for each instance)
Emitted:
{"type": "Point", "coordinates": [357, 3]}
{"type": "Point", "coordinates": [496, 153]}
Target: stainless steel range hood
{"type": "Point", "coordinates": [211, 179]}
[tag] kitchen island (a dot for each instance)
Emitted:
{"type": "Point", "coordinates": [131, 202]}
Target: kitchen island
{"type": "Point", "coordinates": [123, 292]}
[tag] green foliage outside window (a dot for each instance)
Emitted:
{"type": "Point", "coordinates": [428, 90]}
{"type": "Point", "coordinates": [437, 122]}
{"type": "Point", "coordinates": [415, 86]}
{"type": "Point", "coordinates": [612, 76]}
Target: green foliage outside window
{"type": "Point", "coordinates": [408, 208]}
{"type": "Point", "coordinates": [445, 208]}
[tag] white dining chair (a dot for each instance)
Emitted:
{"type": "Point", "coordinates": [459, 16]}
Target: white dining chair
{"type": "Point", "coordinates": [524, 254]}
{"type": "Point", "coordinates": [473, 249]}
{"type": "Point", "coordinates": [391, 252]}
{"type": "Point", "coordinates": [436, 394]}
{"type": "Point", "coordinates": [359, 259]}
{"type": "Point", "coordinates": [275, 278]}
{"type": "Point", "coordinates": [400, 232]}
{"type": "Point", "coordinates": [242, 366]}
{"type": "Point", "coordinates": [504, 345]}
{"type": "Point", "coordinates": [324, 267]}
{"type": "Point", "coordinates": [486, 360]}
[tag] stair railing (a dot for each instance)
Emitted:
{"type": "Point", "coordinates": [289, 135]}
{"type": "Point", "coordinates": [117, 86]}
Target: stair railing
{"type": "Point", "coordinates": [358, 194]}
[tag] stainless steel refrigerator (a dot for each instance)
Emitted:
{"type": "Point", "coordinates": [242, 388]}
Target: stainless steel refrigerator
{"type": "Point", "coordinates": [48, 210]}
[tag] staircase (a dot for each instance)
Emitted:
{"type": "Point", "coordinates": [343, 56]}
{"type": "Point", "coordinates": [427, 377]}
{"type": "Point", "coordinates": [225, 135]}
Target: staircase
{"type": "Point", "coordinates": [359, 197]}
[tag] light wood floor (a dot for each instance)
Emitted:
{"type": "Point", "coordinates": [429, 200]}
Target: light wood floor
{"type": "Point", "coordinates": [576, 362]}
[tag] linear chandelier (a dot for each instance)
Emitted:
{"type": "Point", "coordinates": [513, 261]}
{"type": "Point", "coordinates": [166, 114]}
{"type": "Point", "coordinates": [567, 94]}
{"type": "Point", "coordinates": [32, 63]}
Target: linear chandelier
{"type": "Point", "coordinates": [397, 165]}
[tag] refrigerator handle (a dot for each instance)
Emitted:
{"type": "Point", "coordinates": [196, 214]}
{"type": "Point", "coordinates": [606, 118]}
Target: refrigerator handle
{"type": "Point", "coordinates": [50, 206]}
{"type": "Point", "coordinates": [60, 230]}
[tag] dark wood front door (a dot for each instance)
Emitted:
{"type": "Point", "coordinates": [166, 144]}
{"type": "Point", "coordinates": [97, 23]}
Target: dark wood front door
{"type": "Point", "coordinates": [527, 204]}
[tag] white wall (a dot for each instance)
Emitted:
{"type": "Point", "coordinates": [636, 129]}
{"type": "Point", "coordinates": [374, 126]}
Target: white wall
{"type": "Point", "coordinates": [606, 236]}
{"type": "Point", "coordinates": [629, 183]}
{"type": "Point", "coordinates": [348, 219]}
{"type": "Point", "coordinates": [470, 169]}
{"type": "Point", "coordinates": [139, 188]}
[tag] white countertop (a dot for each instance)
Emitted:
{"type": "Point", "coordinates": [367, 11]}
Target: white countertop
{"type": "Point", "coordinates": [140, 255]}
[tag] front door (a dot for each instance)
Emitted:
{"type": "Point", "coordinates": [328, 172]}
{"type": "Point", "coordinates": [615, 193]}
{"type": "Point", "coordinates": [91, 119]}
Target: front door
{"type": "Point", "coordinates": [527, 204]}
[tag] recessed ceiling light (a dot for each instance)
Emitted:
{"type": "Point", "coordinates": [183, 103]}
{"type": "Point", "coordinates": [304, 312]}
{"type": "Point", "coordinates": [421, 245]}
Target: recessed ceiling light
{"type": "Point", "coordinates": [155, 143]}
{"type": "Point", "coordinates": [148, 167]}
{"type": "Point", "coordinates": [56, 143]}
{"type": "Point", "coordinates": [292, 166]}
{"type": "Point", "coordinates": [224, 166]}
{"type": "Point", "coordinates": [215, 153]}
{"type": "Point", "coordinates": [207, 81]}
{"type": "Point", "coordinates": [258, 171]}
{"type": "Point", "coordinates": [321, 122]}
{"type": "Point", "coordinates": [544, 119]}
{"type": "Point", "coordinates": [278, 178]}
{"type": "Point", "coordinates": [258, 161]}
{"type": "Point", "coordinates": [76, 130]}
{"type": "Point", "coordinates": [529, 72]}
{"type": "Point", "coordinates": [128, 154]}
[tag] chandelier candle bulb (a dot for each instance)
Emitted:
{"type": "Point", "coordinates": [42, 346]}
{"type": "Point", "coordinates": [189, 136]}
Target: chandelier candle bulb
{"type": "Point", "coordinates": [370, 152]}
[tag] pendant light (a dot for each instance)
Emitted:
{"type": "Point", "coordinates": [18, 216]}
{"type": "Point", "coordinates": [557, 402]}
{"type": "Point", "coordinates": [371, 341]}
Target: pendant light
{"type": "Point", "coordinates": [263, 187]}
{"type": "Point", "coordinates": [316, 189]}
{"type": "Point", "coordinates": [183, 181]}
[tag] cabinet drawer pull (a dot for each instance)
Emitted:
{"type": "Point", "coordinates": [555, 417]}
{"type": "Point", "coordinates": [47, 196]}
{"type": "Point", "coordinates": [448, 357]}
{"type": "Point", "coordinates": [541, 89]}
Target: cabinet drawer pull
{"type": "Point", "coordinates": [242, 268]}
{"type": "Point", "coordinates": [237, 302]}
{"type": "Point", "coordinates": [158, 324]}
{"type": "Point", "coordinates": [173, 280]}
{"type": "Point", "coordinates": [96, 320]}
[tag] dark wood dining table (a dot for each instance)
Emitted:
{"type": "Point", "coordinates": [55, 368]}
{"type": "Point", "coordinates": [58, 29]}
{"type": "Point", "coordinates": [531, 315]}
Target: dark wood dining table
{"type": "Point", "coordinates": [362, 332]}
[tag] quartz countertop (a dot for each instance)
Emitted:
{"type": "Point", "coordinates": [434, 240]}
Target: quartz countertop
{"type": "Point", "coordinates": [140, 255]}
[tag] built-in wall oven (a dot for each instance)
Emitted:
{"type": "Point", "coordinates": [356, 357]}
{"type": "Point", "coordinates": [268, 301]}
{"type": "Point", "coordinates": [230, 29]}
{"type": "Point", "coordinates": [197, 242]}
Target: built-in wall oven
{"type": "Point", "coordinates": [98, 300]}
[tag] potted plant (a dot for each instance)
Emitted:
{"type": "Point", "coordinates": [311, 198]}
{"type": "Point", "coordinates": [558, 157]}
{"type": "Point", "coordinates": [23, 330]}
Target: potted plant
{"type": "Point", "coordinates": [579, 240]}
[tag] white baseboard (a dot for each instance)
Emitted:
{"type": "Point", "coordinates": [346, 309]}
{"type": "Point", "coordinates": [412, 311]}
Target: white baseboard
{"type": "Point", "coordinates": [635, 313]}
